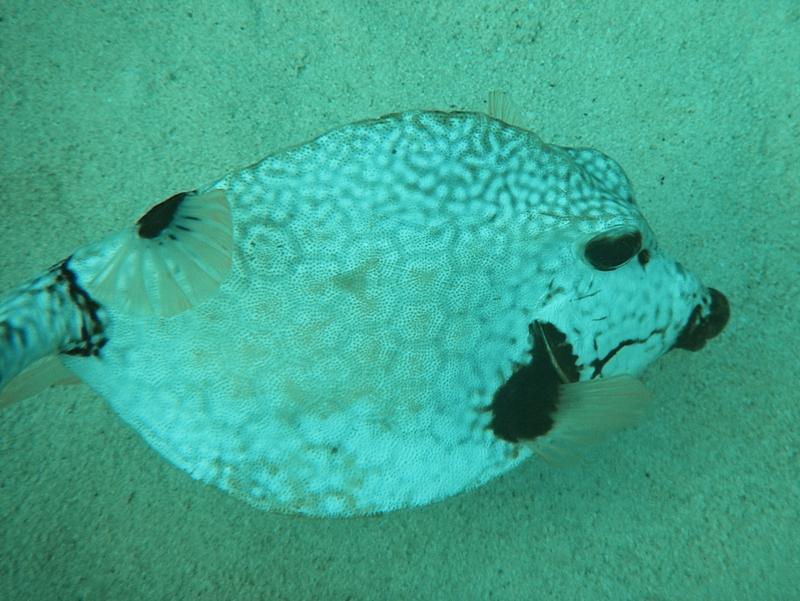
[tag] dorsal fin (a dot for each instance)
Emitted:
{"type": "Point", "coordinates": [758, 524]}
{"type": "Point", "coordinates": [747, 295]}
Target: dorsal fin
{"type": "Point", "coordinates": [174, 258]}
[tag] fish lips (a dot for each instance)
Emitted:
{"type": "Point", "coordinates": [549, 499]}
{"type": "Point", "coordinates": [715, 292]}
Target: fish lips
{"type": "Point", "coordinates": [701, 328]}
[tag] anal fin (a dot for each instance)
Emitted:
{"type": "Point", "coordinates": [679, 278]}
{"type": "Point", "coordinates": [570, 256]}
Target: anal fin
{"type": "Point", "coordinates": [40, 375]}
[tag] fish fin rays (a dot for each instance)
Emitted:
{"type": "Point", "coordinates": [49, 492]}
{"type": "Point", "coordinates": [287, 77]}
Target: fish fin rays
{"type": "Point", "coordinates": [38, 376]}
{"type": "Point", "coordinates": [174, 258]}
{"type": "Point", "coordinates": [589, 411]}
{"type": "Point", "coordinates": [501, 107]}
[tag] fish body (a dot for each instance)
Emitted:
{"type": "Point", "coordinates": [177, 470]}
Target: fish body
{"type": "Point", "coordinates": [376, 319]}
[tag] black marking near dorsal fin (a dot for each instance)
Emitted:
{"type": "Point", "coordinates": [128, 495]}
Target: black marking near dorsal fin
{"type": "Point", "coordinates": [174, 258]}
{"type": "Point", "coordinates": [159, 217]}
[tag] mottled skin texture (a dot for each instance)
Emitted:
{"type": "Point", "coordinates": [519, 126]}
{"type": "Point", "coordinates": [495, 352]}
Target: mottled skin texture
{"type": "Point", "coordinates": [384, 279]}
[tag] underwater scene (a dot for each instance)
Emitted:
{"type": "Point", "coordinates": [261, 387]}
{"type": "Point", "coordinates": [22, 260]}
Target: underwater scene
{"type": "Point", "coordinates": [352, 300]}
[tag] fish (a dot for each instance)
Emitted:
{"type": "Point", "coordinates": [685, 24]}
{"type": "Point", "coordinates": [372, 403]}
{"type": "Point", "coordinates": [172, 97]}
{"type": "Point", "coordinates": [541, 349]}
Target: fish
{"type": "Point", "coordinates": [395, 312]}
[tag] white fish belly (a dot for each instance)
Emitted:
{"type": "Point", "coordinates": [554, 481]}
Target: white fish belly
{"type": "Point", "coordinates": [346, 363]}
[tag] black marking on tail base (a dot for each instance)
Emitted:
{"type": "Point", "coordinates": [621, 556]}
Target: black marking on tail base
{"type": "Point", "coordinates": [92, 330]}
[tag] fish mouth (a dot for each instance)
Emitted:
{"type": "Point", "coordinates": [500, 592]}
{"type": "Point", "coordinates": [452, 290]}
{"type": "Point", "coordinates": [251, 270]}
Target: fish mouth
{"type": "Point", "coordinates": [701, 328]}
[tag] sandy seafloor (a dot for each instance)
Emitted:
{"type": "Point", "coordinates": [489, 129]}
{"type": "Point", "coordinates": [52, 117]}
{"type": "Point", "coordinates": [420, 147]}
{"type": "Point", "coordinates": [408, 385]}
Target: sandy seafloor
{"type": "Point", "coordinates": [106, 110]}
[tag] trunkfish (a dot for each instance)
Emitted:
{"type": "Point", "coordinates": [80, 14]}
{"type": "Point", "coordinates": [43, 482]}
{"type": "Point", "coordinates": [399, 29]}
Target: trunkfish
{"type": "Point", "coordinates": [397, 311]}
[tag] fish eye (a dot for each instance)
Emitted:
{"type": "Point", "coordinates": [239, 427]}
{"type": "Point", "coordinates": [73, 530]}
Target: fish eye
{"type": "Point", "coordinates": [609, 251]}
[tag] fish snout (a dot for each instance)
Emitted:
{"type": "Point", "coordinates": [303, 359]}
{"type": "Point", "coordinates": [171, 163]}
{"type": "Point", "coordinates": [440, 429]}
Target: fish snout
{"type": "Point", "coordinates": [705, 323]}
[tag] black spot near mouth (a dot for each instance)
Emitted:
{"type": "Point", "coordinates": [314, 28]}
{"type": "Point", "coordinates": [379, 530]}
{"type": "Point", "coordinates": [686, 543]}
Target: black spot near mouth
{"type": "Point", "coordinates": [522, 408]}
{"type": "Point", "coordinates": [700, 328]}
